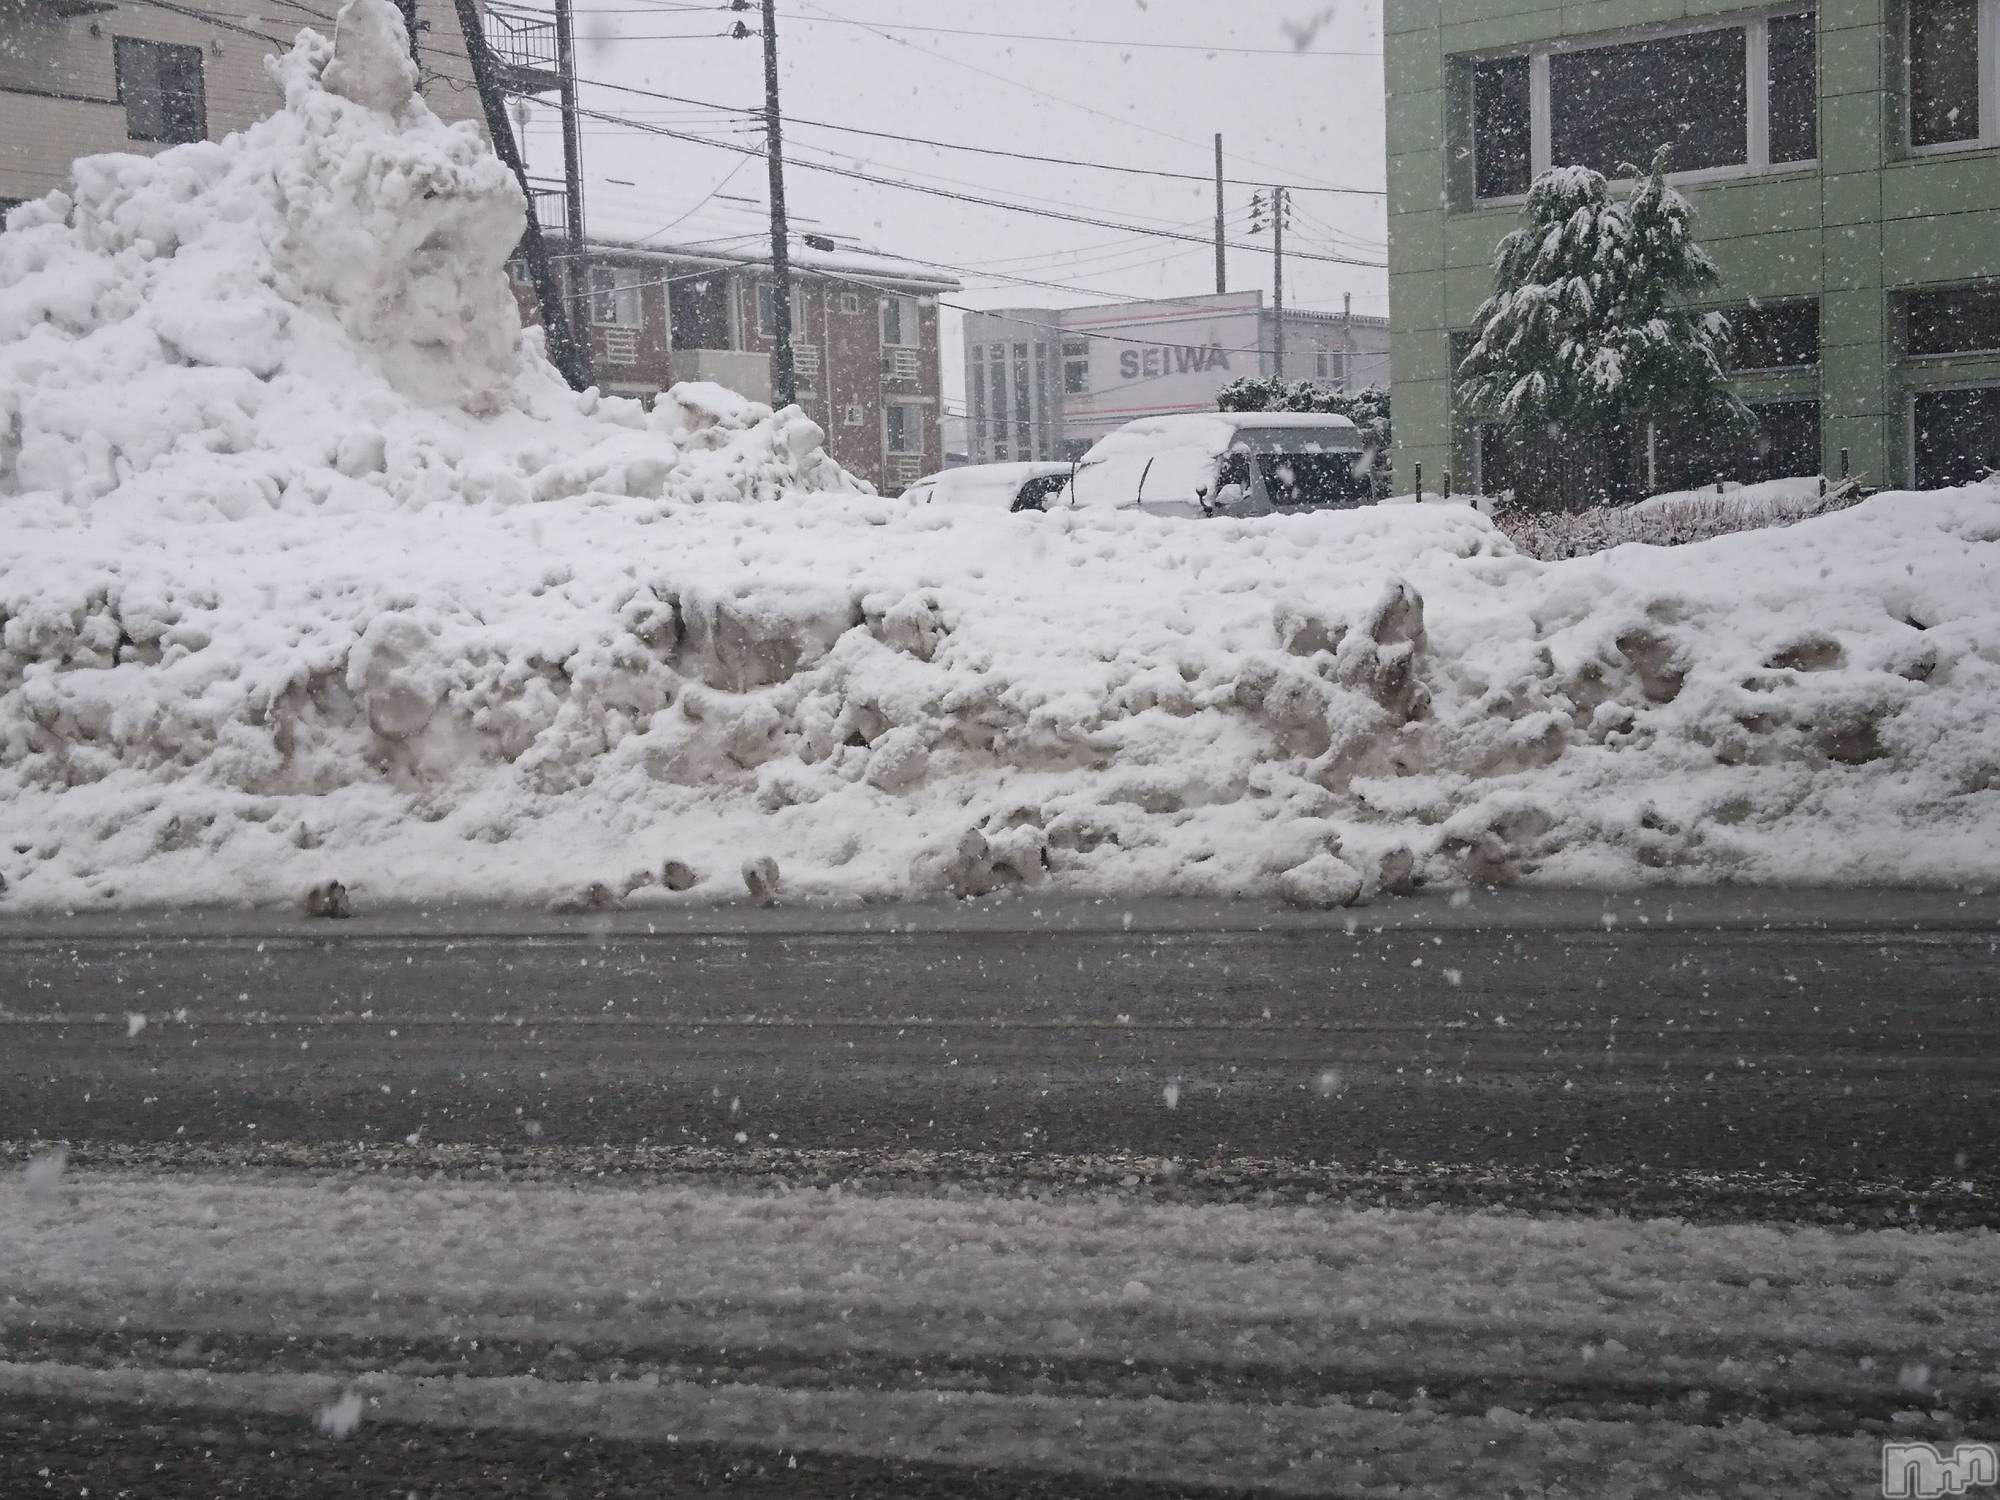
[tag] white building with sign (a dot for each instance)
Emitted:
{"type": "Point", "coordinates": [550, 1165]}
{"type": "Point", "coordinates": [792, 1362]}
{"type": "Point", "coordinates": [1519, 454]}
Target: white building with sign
{"type": "Point", "coordinates": [1048, 382]}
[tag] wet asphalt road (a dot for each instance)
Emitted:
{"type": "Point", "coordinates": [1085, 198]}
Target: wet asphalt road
{"type": "Point", "coordinates": [1824, 1056]}
{"type": "Point", "coordinates": [1722, 1058]}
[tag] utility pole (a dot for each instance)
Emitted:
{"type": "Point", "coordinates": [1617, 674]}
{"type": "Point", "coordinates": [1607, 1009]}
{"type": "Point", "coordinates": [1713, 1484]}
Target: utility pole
{"type": "Point", "coordinates": [784, 374]}
{"type": "Point", "coordinates": [563, 349]}
{"type": "Point", "coordinates": [1221, 251]}
{"type": "Point", "coordinates": [409, 10]}
{"type": "Point", "coordinates": [1281, 207]}
{"type": "Point", "coordinates": [579, 256]}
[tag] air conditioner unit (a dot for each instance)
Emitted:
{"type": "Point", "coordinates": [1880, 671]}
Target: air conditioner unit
{"type": "Point", "coordinates": [621, 346]}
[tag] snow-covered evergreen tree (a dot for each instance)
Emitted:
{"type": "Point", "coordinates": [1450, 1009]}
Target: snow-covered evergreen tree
{"type": "Point", "coordinates": [1587, 336]}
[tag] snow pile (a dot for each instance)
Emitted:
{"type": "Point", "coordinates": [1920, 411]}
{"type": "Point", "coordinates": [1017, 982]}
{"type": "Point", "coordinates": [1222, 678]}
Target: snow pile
{"type": "Point", "coordinates": [1672, 519]}
{"type": "Point", "coordinates": [313, 315]}
{"type": "Point", "coordinates": [885, 700]}
{"type": "Point", "coordinates": [275, 626]}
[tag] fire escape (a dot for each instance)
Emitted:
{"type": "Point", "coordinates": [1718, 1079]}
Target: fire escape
{"type": "Point", "coordinates": [534, 57]}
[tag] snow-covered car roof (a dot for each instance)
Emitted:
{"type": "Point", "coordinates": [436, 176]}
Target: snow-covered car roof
{"type": "Point", "coordinates": [1173, 456]}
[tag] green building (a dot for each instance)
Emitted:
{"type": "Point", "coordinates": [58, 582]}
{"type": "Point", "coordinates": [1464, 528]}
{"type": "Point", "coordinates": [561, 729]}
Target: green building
{"type": "Point", "coordinates": [1844, 163]}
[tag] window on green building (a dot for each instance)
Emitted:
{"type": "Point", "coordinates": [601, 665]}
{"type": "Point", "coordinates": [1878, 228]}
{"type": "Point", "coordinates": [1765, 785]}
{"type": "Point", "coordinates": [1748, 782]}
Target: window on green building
{"type": "Point", "coordinates": [1952, 320]}
{"type": "Point", "coordinates": [1775, 335]}
{"type": "Point", "coordinates": [1610, 106]}
{"type": "Point", "coordinates": [1944, 71]}
{"type": "Point", "coordinates": [1742, 96]}
{"type": "Point", "coordinates": [1502, 151]}
{"type": "Point", "coordinates": [1791, 56]}
{"type": "Point", "coordinates": [1955, 435]}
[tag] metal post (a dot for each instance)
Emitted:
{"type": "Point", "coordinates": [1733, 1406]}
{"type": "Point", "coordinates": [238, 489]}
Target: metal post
{"type": "Point", "coordinates": [415, 25]}
{"type": "Point", "coordinates": [555, 320]}
{"type": "Point", "coordinates": [1843, 463]}
{"type": "Point", "coordinates": [1221, 251]}
{"type": "Point", "coordinates": [1447, 484]}
{"type": "Point", "coordinates": [1420, 484]}
{"type": "Point", "coordinates": [579, 260]}
{"type": "Point", "coordinates": [784, 373]}
{"type": "Point", "coordinates": [1278, 279]}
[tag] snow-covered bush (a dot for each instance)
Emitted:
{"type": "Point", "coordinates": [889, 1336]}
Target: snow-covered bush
{"type": "Point", "coordinates": [1670, 520]}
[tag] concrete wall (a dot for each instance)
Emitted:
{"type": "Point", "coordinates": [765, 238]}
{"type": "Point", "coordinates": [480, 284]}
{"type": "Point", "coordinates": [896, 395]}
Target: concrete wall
{"type": "Point", "coordinates": [59, 85]}
{"type": "Point", "coordinates": [1865, 222]}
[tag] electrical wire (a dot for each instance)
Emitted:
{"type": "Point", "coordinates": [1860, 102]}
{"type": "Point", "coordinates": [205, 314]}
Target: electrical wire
{"type": "Point", "coordinates": [977, 199]}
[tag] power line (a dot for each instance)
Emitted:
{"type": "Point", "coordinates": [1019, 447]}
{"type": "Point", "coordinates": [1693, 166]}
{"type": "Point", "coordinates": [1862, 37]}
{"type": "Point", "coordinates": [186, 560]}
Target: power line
{"type": "Point", "coordinates": [1201, 146]}
{"type": "Point", "coordinates": [1206, 179]}
{"type": "Point", "coordinates": [976, 198]}
{"type": "Point", "coordinates": [1027, 36]}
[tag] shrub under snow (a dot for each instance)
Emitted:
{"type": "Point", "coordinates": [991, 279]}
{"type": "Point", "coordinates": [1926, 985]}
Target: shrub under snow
{"type": "Point", "coordinates": [1671, 520]}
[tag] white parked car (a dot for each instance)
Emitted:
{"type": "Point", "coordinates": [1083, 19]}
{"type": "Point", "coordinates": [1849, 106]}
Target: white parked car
{"type": "Point", "coordinates": [1233, 463]}
{"type": "Point", "coordinates": [1024, 486]}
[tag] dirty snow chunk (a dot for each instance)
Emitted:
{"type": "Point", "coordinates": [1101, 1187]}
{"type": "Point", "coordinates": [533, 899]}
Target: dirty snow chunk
{"type": "Point", "coordinates": [1135, 1293]}
{"type": "Point", "coordinates": [760, 876]}
{"type": "Point", "coordinates": [341, 1417]}
{"type": "Point", "coordinates": [44, 1173]}
{"type": "Point", "coordinates": [1330, 1083]}
{"type": "Point", "coordinates": [1172, 1095]}
{"type": "Point", "coordinates": [135, 1022]}
{"type": "Point", "coordinates": [1321, 883]}
{"type": "Point", "coordinates": [328, 899]}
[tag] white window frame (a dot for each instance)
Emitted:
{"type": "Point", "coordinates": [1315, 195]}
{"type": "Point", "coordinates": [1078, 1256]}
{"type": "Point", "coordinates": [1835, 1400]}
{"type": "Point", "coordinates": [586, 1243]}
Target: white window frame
{"type": "Point", "coordinates": [853, 414]}
{"type": "Point", "coordinates": [616, 286]}
{"type": "Point", "coordinates": [1756, 95]}
{"type": "Point", "coordinates": [1988, 136]}
{"type": "Point", "coordinates": [916, 408]}
{"type": "Point", "coordinates": [909, 330]}
{"type": "Point", "coordinates": [850, 303]}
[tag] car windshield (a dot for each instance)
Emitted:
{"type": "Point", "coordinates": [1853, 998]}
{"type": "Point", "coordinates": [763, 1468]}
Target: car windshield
{"type": "Point", "coordinates": [591, 910]}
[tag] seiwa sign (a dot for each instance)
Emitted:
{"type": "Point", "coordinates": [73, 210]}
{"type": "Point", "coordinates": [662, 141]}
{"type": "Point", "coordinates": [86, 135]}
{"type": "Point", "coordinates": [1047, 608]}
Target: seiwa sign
{"type": "Point", "coordinates": [1173, 359]}
{"type": "Point", "coordinates": [1151, 358]}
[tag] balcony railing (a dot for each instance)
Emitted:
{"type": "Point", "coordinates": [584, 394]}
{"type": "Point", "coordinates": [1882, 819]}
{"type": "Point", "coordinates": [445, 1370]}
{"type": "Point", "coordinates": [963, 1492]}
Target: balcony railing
{"type": "Point", "coordinates": [523, 43]}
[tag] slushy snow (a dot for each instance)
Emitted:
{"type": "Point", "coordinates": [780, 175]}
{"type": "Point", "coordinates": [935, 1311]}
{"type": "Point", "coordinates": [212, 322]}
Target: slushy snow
{"type": "Point", "coordinates": [318, 575]}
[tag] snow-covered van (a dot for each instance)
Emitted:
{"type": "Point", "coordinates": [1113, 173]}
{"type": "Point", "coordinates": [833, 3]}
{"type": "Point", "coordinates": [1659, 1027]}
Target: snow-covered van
{"type": "Point", "coordinates": [1235, 463]}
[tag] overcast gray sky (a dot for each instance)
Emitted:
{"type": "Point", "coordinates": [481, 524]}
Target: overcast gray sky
{"type": "Point", "coordinates": [1300, 103]}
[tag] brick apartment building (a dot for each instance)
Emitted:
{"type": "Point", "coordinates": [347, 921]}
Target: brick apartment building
{"type": "Point", "coordinates": [79, 77]}
{"type": "Point", "coordinates": [865, 339]}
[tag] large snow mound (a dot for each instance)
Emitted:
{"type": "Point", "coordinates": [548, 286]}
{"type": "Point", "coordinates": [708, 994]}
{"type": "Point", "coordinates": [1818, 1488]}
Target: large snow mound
{"type": "Point", "coordinates": [314, 315]}
{"type": "Point", "coordinates": [272, 614]}
{"type": "Point", "coordinates": [892, 700]}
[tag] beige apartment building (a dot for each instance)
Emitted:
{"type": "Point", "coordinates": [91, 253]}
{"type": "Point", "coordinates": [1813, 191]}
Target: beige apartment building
{"type": "Point", "coordinates": [79, 77]}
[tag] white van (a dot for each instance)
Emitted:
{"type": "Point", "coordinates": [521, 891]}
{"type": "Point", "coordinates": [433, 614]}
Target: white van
{"type": "Point", "coordinates": [1234, 463]}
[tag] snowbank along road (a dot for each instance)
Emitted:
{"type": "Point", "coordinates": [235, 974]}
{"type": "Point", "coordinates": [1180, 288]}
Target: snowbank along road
{"type": "Point", "coordinates": [316, 571]}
